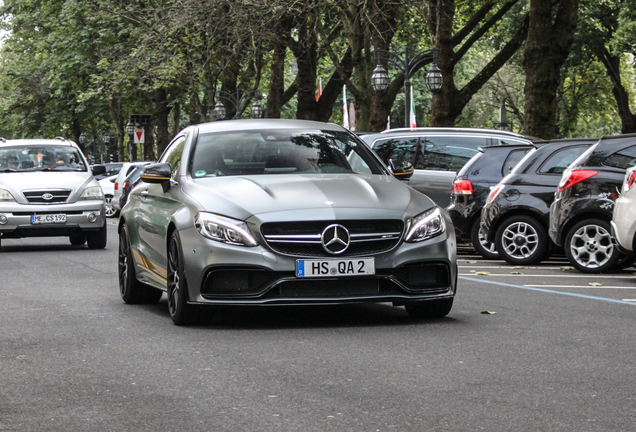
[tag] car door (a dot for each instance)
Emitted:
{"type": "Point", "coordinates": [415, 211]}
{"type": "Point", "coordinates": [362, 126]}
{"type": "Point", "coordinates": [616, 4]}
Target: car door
{"type": "Point", "coordinates": [155, 209]}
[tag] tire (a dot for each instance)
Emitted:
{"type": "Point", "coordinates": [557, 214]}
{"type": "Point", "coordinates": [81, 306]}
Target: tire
{"type": "Point", "coordinates": [180, 311]}
{"type": "Point", "coordinates": [429, 309]}
{"type": "Point", "coordinates": [590, 247]}
{"type": "Point", "coordinates": [97, 239]}
{"type": "Point", "coordinates": [77, 239]}
{"type": "Point", "coordinates": [481, 245]}
{"type": "Point", "coordinates": [111, 211]}
{"type": "Point", "coordinates": [131, 290]}
{"type": "Point", "coordinates": [521, 240]}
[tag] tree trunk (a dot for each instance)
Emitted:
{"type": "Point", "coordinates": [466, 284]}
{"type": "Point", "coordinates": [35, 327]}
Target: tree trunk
{"type": "Point", "coordinates": [612, 65]}
{"type": "Point", "coordinates": [550, 34]}
{"type": "Point", "coordinates": [277, 81]}
{"type": "Point", "coordinates": [114, 105]}
{"type": "Point", "coordinates": [162, 113]}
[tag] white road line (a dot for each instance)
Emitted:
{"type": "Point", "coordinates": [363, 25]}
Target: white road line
{"type": "Point", "coordinates": [554, 276]}
{"type": "Point", "coordinates": [581, 286]}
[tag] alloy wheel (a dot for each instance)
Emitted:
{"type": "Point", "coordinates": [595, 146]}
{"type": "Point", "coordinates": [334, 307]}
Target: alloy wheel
{"type": "Point", "coordinates": [520, 240]}
{"type": "Point", "coordinates": [123, 263]}
{"type": "Point", "coordinates": [173, 278]}
{"type": "Point", "coordinates": [591, 246]}
{"type": "Point", "coordinates": [110, 211]}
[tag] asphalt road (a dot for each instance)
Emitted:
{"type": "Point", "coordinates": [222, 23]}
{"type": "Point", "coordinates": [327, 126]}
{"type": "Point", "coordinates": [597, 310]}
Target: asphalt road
{"type": "Point", "coordinates": [554, 354]}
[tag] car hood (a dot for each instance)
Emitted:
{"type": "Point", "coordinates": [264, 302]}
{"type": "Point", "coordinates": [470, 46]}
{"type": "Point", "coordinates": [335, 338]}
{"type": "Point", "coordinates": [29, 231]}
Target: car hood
{"type": "Point", "coordinates": [315, 195]}
{"type": "Point", "coordinates": [16, 182]}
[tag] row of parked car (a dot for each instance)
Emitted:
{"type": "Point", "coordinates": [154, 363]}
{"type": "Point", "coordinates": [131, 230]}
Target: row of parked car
{"type": "Point", "coordinates": [521, 200]}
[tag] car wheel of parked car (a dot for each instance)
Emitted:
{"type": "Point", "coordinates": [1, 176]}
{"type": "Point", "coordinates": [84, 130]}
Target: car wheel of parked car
{"type": "Point", "coordinates": [481, 245]}
{"type": "Point", "coordinates": [77, 239]}
{"type": "Point", "coordinates": [521, 240]}
{"type": "Point", "coordinates": [110, 210]}
{"type": "Point", "coordinates": [590, 247]}
{"type": "Point", "coordinates": [181, 312]}
{"type": "Point", "coordinates": [97, 239]}
{"type": "Point", "coordinates": [131, 290]}
{"type": "Point", "coordinates": [429, 309]}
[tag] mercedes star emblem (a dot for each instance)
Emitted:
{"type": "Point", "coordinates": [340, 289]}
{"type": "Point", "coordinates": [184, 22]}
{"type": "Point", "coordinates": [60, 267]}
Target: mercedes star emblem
{"type": "Point", "coordinates": [335, 239]}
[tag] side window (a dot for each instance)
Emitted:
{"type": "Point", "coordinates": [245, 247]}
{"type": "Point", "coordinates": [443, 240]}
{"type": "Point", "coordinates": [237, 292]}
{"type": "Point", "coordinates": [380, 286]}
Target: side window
{"type": "Point", "coordinates": [624, 159]}
{"type": "Point", "coordinates": [173, 154]}
{"type": "Point", "coordinates": [559, 160]}
{"type": "Point", "coordinates": [512, 160]}
{"type": "Point", "coordinates": [396, 148]}
{"type": "Point", "coordinates": [504, 141]}
{"type": "Point", "coordinates": [449, 153]}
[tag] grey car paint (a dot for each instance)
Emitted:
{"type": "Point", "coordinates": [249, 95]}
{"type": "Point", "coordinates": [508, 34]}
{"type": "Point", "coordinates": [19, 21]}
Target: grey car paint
{"type": "Point", "coordinates": [151, 213]}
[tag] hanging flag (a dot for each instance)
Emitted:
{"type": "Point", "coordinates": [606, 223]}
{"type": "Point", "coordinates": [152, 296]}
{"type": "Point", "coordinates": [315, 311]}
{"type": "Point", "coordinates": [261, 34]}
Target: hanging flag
{"type": "Point", "coordinates": [345, 112]}
{"type": "Point", "coordinates": [352, 116]}
{"type": "Point", "coordinates": [388, 122]}
{"type": "Point", "coordinates": [319, 89]}
{"type": "Point", "coordinates": [413, 122]}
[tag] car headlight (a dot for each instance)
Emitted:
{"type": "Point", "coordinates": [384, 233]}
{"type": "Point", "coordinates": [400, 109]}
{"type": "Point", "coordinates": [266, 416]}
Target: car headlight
{"type": "Point", "coordinates": [426, 225]}
{"type": "Point", "coordinates": [224, 229]}
{"type": "Point", "coordinates": [5, 196]}
{"type": "Point", "coordinates": [92, 193]}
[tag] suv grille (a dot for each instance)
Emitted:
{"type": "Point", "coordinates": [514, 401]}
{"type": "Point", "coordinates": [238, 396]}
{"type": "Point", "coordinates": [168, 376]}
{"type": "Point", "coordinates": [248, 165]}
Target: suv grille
{"type": "Point", "coordinates": [52, 196]}
{"type": "Point", "coordinates": [304, 238]}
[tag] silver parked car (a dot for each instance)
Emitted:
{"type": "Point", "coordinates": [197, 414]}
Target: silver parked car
{"type": "Point", "coordinates": [281, 212]}
{"type": "Point", "coordinates": [624, 214]}
{"type": "Point", "coordinates": [46, 189]}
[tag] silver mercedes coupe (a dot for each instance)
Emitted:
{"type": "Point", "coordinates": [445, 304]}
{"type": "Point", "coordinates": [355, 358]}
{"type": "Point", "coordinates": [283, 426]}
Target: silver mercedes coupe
{"type": "Point", "coordinates": [282, 212]}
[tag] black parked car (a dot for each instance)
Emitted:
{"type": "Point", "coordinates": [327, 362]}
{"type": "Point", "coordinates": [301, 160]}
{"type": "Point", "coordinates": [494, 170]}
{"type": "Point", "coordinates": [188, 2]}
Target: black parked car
{"type": "Point", "coordinates": [437, 154]}
{"type": "Point", "coordinates": [129, 183]}
{"type": "Point", "coordinates": [472, 186]}
{"type": "Point", "coordinates": [516, 215]}
{"type": "Point", "coordinates": [582, 210]}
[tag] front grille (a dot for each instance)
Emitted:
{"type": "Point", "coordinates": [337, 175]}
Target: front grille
{"type": "Point", "coordinates": [304, 238]}
{"type": "Point", "coordinates": [50, 196]}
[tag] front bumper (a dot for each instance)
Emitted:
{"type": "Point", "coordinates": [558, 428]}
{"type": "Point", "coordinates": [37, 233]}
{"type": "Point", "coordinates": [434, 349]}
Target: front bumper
{"type": "Point", "coordinates": [80, 216]}
{"type": "Point", "coordinates": [219, 274]}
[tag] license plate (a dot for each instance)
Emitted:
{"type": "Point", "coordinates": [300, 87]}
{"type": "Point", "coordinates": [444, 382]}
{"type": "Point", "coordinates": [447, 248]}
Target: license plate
{"type": "Point", "coordinates": [335, 267]}
{"type": "Point", "coordinates": [48, 219]}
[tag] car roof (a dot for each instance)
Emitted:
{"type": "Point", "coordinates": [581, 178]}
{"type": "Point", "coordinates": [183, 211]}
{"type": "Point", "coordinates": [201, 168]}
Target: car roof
{"type": "Point", "coordinates": [57, 141]}
{"type": "Point", "coordinates": [454, 130]}
{"type": "Point", "coordinates": [252, 124]}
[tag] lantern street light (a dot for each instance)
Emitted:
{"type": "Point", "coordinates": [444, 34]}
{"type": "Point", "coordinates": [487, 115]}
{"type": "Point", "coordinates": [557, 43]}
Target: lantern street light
{"type": "Point", "coordinates": [82, 139]}
{"type": "Point", "coordinates": [408, 66]}
{"type": "Point", "coordinates": [130, 130]}
{"type": "Point", "coordinates": [238, 100]}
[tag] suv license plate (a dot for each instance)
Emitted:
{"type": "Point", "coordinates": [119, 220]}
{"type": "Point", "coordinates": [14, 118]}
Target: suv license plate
{"type": "Point", "coordinates": [335, 267]}
{"type": "Point", "coordinates": [48, 219]}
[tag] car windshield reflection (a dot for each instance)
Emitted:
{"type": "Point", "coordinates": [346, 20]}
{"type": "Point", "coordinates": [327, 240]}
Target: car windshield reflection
{"type": "Point", "coordinates": [40, 158]}
{"type": "Point", "coordinates": [280, 152]}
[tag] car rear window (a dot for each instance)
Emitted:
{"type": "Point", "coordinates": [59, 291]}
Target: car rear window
{"type": "Point", "coordinates": [625, 158]}
{"type": "Point", "coordinates": [447, 153]}
{"type": "Point", "coordinates": [512, 160]}
{"type": "Point", "coordinates": [561, 159]}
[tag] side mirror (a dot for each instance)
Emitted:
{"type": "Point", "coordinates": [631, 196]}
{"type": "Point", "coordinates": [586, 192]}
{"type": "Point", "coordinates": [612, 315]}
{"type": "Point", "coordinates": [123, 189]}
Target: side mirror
{"type": "Point", "coordinates": [157, 173]}
{"type": "Point", "coordinates": [98, 170]}
{"type": "Point", "coordinates": [402, 169]}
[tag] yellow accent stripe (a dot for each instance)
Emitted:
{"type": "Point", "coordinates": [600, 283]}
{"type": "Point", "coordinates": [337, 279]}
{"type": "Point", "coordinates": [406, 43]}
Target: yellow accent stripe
{"type": "Point", "coordinates": [156, 178]}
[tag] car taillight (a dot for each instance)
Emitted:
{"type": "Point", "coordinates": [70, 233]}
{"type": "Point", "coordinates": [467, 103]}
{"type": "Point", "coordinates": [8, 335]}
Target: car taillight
{"type": "Point", "coordinates": [116, 186]}
{"type": "Point", "coordinates": [629, 181]}
{"type": "Point", "coordinates": [125, 185]}
{"type": "Point", "coordinates": [493, 193]}
{"type": "Point", "coordinates": [462, 187]}
{"type": "Point", "coordinates": [575, 176]}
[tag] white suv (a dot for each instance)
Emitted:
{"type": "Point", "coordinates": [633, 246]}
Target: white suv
{"type": "Point", "coordinates": [46, 190]}
{"type": "Point", "coordinates": [623, 219]}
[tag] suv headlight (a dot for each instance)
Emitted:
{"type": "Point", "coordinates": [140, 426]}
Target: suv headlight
{"type": "Point", "coordinates": [224, 229]}
{"type": "Point", "coordinates": [92, 193]}
{"type": "Point", "coordinates": [5, 196]}
{"type": "Point", "coordinates": [426, 225]}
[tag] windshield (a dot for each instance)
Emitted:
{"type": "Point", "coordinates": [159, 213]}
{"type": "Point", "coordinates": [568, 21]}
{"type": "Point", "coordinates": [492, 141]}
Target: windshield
{"type": "Point", "coordinates": [282, 151]}
{"type": "Point", "coordinates": [40, 158]}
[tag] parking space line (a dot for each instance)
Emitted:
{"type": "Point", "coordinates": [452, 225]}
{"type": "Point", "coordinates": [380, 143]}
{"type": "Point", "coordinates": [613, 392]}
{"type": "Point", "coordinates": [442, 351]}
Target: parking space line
{"type": "Point", "coordinates": [549, 291]}
{"type": "Point", "coordinates": [582, 286]}
{"type": "Point", "coordinates": [555, 276]}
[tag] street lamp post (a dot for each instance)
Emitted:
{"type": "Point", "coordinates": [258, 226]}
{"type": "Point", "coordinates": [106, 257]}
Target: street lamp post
{"type": "Point", "coordinates": [407, 65]}
{"type": "Point", "coordinates": [238, 99]}
{"type": "Point", "coordinates": [130, 130]}
{"type": "Point", "coordinates": [105, 141]}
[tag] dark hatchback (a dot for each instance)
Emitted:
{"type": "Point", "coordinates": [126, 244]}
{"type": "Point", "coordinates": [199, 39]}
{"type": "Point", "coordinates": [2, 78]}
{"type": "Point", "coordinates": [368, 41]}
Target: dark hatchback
{"type": "Point", "coordinates": [516, 214]}
{"type": "Point", "coordinates": [472, 186]}
{"type": "Point", "coordinates": [582, 210]}
{"type": "Point", "coordinates": [437, 154]}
